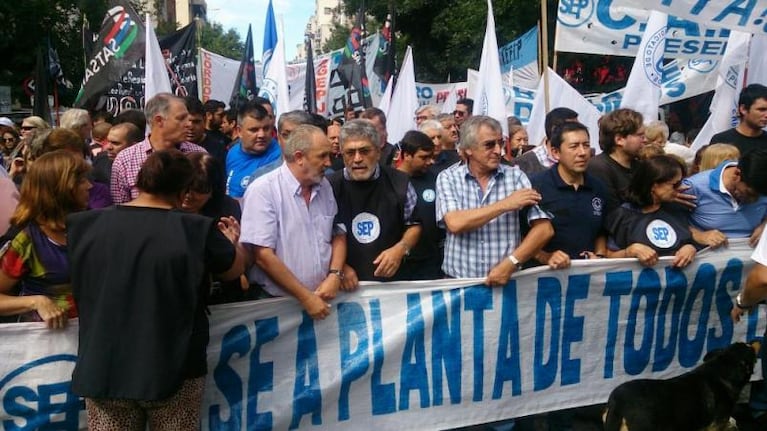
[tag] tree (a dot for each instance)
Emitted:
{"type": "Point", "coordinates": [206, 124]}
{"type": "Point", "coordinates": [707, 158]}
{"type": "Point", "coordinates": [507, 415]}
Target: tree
{"type": "Point", "coordinates": [213, 38]}
{"type": "Point", "coordinates": [446, 35]}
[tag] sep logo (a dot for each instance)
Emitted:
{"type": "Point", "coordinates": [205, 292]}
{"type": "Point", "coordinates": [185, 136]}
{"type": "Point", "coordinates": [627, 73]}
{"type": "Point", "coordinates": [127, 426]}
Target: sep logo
{"type": "Point", "coordinates": [38, 395]}
{"type": "Point", "coordinates": [661, 234]}
{"type": "Point", "coordinates": [366, 228]}
{"type": "Point", "coordinates": [429, 195]}
{"type": "Point", "coordinates": [652, 57]}
{"type": "Point", "coordinates": [574, 13]}
{"type": "Point", "coordinates": [245, 181]}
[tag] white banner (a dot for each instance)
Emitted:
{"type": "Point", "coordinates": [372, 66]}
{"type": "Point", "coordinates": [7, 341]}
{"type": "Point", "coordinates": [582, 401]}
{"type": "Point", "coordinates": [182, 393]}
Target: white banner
{"type": "Point", "coordinates": [615, 27]}
{"type": "Point", "coordinates": [217, 76]}
{"type": "Point", "coordinates": [426, 355]}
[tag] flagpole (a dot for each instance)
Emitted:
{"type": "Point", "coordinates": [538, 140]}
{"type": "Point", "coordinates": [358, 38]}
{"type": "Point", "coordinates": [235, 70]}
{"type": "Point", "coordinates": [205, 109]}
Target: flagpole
{"type": "Point", "coordinates": [545, 52]}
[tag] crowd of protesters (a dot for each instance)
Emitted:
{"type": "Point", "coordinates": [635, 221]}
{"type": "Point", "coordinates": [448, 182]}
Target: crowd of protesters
{"type": "Point", "coordinates": [187, 204]}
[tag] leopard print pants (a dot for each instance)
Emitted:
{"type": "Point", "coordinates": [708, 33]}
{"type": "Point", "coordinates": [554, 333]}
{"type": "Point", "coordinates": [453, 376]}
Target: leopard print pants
{"type": "Point", "coordinates": [179, 412]}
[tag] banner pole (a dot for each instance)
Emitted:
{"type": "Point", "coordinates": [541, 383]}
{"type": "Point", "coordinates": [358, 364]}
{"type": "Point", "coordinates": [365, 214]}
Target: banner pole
{"type": "Point", "coordinates": [545, 53]}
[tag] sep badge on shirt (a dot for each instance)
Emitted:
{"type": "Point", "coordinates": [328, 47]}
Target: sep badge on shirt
{"type": "Point", "coordinates": [366, 228]}
{"type": "Point", "coordinates": [661, 234]}
{"type": "Point", "coordinates": [429, 195]}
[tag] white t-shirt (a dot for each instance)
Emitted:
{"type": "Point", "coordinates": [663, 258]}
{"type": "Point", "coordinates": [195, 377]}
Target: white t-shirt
{"type": "Point", "coordinates": [760, 252]}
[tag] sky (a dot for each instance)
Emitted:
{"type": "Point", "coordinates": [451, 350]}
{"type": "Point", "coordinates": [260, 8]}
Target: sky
{"type": "Point", "coordinates": [237, 14]}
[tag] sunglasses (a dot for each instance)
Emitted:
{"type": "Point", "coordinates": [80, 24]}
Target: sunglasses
{"type": "Point", "coordinates": [364, 151]}
{"type": "Point", "coordinates": [9, 139]}
{"type": "Point", "coordinates": [460, 113]}
{"type": "Point", "coordinates": [490, 145]}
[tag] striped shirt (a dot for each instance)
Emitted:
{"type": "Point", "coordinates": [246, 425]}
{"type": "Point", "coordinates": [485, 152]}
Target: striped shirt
{"type": "Point", "coordinates": [127, 164]}
{"type": "Point", "coordinates": [473, 254]}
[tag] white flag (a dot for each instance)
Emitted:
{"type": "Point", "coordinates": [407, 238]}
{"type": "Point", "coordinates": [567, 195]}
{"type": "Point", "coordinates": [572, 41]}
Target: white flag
{"type": "Point", "coordinates": [404, 101]}
{"type": "Point", "coordinates": [562, 95]}
{"type": "Point", "coordinates": [757, 64]}
{"type": "Point", "coordinates": [724, 104]}
{"type": "Point", "coordinates": [488, 95]}
{"type": "Point", "coordinates": [156, 79]}
{"type": "Point", "coordinates": [275, 86]}
{"type": "Point", "coordinates": [386, 98]}
{"type": "Point", "coordinates": [452, 97]}
{"type": "Point", "coordinates": [643, 88]}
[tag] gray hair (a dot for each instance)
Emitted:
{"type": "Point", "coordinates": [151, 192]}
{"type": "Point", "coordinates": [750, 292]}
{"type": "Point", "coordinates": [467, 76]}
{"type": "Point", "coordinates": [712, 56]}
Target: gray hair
{"type": "Point", "coordinates": [470, 130]}
{"type": "Point", "coordinates": [431, 125]}
{"type": "Point", "coordinates": [75, 118]}
{"type": "Point", "coordinates": [296, 117]}
{"type": "Point", "coordinates": [300, 140]}
{"type": "Point", "coordinates": [656, 129]}
{"type": "Point", "coordinates": [430, 110]}
{"type": "Point", "coordinates": [359, 129]}
{"type": "Point", "coordinates": [159, 105]}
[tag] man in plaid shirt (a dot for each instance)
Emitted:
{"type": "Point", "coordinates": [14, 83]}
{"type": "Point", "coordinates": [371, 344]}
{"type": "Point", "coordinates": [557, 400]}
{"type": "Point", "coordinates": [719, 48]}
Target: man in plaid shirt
{"type": "Point", "coordinates": [478, 202]}
{"type": "Point", "coordinates": [168, 124]}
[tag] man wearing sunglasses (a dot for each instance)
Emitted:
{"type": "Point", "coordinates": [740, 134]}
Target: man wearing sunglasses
{"type": "Point", "coordinates": [375, 207]}
{"type": "Point", "coordinates": [478, 202]}
{"type": "Point", "coordinates": [463, 108]}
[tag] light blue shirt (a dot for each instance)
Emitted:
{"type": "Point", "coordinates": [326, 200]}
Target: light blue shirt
{"type": "Point", "coordinates": [717, 208]}
{"type": "Point", "coordinates": [275, 215]}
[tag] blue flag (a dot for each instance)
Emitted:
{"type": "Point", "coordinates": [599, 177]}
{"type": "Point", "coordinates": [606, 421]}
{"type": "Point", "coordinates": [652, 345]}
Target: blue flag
{"type": "Point", "coordinates": [270, 38]}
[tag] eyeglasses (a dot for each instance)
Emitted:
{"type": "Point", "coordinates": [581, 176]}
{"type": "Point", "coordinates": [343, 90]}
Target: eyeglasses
{"type": "Point", "coordinates": [460, 113]}
{"type": "Point", "coordinates": [364, 151]}
{"type": "Point", "coordinates": [490, 145]}
{"type": "Point", "coordinates": [9, 139]}
{"type": "Point", "coordinates": [28, 127]}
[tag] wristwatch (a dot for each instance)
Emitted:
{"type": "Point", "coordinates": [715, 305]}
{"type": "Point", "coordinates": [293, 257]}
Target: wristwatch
{"type": "Point", "coordinates": [516, 262]}
{"type": "Point", "coordinates": [338, 273]}
{"type": "Point", "coordinates": [739, 303]}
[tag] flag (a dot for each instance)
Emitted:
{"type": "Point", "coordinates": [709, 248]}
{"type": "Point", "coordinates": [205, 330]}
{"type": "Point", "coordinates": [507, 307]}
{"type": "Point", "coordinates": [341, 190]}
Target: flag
{"type": "Point", "coordinates": [757, 64]}
{"type": "Point", "coordinates": [310, 87]}
{"type": "Point", "coordinates": [275, 87]}
{"type": "Point", "coordinates": [488, 95]}
{"type": "Point", "coordinates": [54, 67]}
{"type": "Point", "coordinates": [724, 105]}
{"type": "Point", "coordinates": [41, 108]}
{"type": "Point", "coordinates": [119, 46]}
{"type": "Point", "coordinates": [180, 52]}
{"type": "Point", "coordinates": [384, 62]}
{"type": "Point", "coordinates": [270, 39]}
{"type": "Point", "coordinates": [351, 70]}
{"type": "Point", "coordinates": [561, 94]}
{"type": "Point", "coordinates": [452, 98]}
{"type": "Point", "coordinates": [643, 88]}
{"type": "Point", "coordinates": [404, 101]}
{"type": "Point", "coordinates": [245, 84]}
{"type": "Point", "coordinates": [156, 78]}
{"type": "Point", "coordinates": [385, 102]}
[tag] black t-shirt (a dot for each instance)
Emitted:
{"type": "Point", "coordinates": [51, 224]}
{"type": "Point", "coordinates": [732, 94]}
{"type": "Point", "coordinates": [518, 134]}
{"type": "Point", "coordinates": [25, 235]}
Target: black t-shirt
{"type": "Point", "coordinates": [139, 278]}
{"type": "Point", "coordinates": [615, 177]}
{"type": "Point", "coordinates": [744, 143]}
{"type": "Point", "coordinates": [665, 230]}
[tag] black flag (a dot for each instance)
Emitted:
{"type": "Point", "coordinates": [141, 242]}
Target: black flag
{"type": "Point", "coordinates": [310, 99]}
{"type": "Point", "coordinates": [41, 107]}
{"type": "Point", "coordinates": [245, 84]}
{"type": "Point", "coordinates": [351, 70]}
{"type": "Point", "coordinates": [179, 49]}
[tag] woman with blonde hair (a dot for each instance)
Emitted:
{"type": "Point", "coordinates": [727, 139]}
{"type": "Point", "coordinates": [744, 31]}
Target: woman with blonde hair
{"type": "Point", "coordinates": [715, 154]}
{"type": "Point", "coordinates": [35, 259]}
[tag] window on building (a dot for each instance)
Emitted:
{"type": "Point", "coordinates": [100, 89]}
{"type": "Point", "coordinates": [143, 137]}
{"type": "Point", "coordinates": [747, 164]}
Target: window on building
{"type": "Point", "coordinates": [328, 11]}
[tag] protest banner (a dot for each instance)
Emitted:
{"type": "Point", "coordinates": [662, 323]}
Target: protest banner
{"type": "Point", "coordinates": [520, 56]}
{"type": "Point", "coordinates": [426, 355]}
{"type": "Point", "coordinates": [615, 27]}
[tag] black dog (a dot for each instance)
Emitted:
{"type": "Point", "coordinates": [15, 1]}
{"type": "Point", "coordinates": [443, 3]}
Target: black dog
{"type": "Point", "coordinates": [701, 399]}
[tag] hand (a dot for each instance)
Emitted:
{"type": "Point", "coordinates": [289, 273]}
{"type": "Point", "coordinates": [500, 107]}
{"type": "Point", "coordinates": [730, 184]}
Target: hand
{"type": "Point", "coordinates": [590, 255]}
{"type": "Point", "coordinates": [712, 238]}
{"type": "Point", "coordinates": [500, 274]}
{"type": "Point", "coordinates": [315, 306]}
{"type": "Point", "coordinates": [559, 260]}
{"type": "Point", "coordinates": [328, 289]}
{"type": "Point", "coordinates": [646, 255]}
{"type": "Point", "coordinates": [755, 235]}
{"type": "Point", "coordinates": [521, 198]}
{"type": "Point", "coordinates": [351, 281]}
{"type": "Point", "coordinates": [736, 313]}
{"type": "Point", "coordinates": [683, 198]}
{"type": "Point", "coordinates": [684, 256]}
{"type": "Point", "coordinates": [17, 167]}
{"type": "Point", "coordinates": [230, 227]}
{"type": "Point", "coordinates": [52, 314]}
{"type": "Point", "coordinates": [388, 261]}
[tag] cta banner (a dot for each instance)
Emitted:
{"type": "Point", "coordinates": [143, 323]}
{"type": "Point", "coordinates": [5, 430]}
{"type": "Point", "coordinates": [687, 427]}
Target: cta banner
{"type": "Point", "coordinates": [615, 27]}
{"type": "Point", "coordinates": [745, 16]}
{"type": "Point", "coordinates": [426, 355]}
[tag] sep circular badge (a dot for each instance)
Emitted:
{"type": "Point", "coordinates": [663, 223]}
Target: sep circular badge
{"type": "Point", "coordinates": [575, 13]}
{"type": "Point", "coordinates": [245, 181]}
{"type": "Point", "coordinates": [429, 195]}
{"type": "Point", "coordinates": [652, 57]}
{"type": "Point", "coordinates": [661, 234]}
{"type": "Point", "coordinates": [366, 228]}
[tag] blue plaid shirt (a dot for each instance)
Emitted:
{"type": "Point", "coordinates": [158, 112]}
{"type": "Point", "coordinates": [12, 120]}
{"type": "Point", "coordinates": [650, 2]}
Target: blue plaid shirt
{"type": "Point", "coordinates": [473, 254]}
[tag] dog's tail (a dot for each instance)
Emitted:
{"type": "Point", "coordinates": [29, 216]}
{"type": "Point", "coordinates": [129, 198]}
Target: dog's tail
{"type": "Point", "coordinates": [612, 419]}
